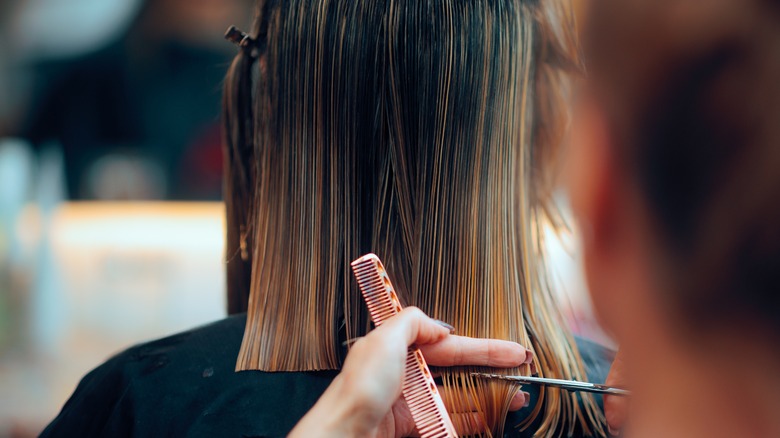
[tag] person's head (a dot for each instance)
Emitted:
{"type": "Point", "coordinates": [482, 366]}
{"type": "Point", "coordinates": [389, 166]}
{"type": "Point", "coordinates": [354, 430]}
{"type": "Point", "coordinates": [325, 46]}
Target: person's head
{"type": "Point", "coordinates": [676, 174]}
{"type": "Point", "coordinates": [417, 130]}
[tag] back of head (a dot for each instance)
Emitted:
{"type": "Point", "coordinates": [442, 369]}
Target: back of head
{"type": "Point", "coordinates": [417, 130]}
{"type": "Point", "coordinates": [692, 93]}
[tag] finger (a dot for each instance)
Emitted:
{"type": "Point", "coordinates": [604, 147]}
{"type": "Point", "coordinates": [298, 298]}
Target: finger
{"type": "Point", "coordinates": [461, 350]}
{"type": "Point", "coordinates": [402, 417]}
{"type": "Point", "coordinates": [466, 423]}
{"type": "Point", "coordinates": [521, 400]}
{"type": "Point", "coordinates": [414, 326]}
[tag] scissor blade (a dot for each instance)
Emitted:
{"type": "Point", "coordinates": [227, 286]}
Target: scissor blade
{"type": "Point", "coordinates": [569, 385]}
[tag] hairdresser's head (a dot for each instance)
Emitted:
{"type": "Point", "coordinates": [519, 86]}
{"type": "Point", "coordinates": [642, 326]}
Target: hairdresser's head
{"type": "Point", "coordinates": [677, 172]}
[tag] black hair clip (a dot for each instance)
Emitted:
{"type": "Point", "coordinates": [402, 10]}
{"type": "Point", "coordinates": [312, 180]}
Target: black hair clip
{"type": "Point", "coordinates": [242, 40]}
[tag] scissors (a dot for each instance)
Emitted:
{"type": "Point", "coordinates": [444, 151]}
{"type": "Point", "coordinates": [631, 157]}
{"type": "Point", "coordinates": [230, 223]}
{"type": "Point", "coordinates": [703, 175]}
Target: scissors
{"type": "Point", "coordinates": [569, 385]}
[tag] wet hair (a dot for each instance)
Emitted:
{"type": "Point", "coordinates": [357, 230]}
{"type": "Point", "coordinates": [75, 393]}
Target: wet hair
{"type": "Point", "coordinates": [421, 131]}
{"type": "Point", "coordinates": [692, 94]}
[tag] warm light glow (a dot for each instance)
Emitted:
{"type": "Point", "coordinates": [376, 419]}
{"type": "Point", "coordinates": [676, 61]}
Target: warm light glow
{"type": "Point", "coordinates": [140, 226]}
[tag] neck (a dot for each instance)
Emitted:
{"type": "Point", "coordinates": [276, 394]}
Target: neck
{"type": "Point", "coordinates": [731, 388]}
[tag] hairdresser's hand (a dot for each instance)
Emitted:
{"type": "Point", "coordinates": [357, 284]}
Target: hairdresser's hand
{"type": "Point", "coordinates": [616, 407]}
{"type": "Point", "coordinates": [365, 399]}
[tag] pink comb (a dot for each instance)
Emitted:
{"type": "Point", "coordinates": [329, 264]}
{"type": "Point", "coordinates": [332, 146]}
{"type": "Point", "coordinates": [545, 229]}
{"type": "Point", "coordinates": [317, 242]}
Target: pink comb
{"type": "Point", "coordinates": [424, 401]}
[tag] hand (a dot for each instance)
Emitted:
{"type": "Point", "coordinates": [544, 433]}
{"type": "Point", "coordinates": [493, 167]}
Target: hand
{"type": "Point", "coordinates": [616, 407]}
{"type": "Point", "coordinates": [365, 398]}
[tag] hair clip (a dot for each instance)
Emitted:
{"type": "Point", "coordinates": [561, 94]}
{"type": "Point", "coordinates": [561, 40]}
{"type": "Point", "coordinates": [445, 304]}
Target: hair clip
{"type": "Point", "coordinates": [242, 40]}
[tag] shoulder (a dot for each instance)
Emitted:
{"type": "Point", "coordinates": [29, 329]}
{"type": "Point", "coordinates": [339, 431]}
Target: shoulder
{"type": "Point", "coordinates": [186, 384]}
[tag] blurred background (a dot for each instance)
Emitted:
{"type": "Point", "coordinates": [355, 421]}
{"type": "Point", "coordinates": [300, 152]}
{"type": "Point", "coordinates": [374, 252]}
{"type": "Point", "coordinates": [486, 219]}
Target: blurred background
{"type": "Point", "coordinates": [111, 225]}
{"type": "Point", "coordinates": [110, 180]}
{"type": "Point", "coordinates": [127, 91]}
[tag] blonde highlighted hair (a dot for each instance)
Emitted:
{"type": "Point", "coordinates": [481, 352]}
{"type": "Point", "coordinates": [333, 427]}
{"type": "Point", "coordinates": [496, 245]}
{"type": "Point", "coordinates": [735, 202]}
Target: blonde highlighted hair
{"type": "Point", "coordinates": [417, 130]}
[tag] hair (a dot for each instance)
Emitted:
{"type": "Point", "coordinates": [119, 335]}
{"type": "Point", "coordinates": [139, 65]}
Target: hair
{"type": "Point", "coordinates": [421, 131]}
{"type": "Point", "coordinates": [692, 98]}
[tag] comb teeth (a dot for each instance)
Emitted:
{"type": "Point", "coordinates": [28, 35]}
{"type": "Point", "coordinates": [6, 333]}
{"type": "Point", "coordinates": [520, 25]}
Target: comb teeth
{"type": "Point", "coordinates": [420, 392]}
{"type": "Point", "coordinates": [377, 290]}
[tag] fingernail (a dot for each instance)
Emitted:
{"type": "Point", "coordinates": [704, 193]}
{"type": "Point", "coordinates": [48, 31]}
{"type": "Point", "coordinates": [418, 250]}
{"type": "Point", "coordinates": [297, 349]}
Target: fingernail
{"type": "Point", "coordinates": [527, 401]}
{"type": "Point", "coordinates": [445, 325]}
{"type": "Point", "coordinates": [612, 431]}
{"type": "Point", "coordinates": [529, 357]}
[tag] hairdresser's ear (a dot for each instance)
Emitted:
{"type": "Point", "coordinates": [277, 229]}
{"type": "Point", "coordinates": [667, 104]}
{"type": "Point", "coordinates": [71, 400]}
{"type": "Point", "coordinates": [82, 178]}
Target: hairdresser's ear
{"type": "Point", "coordinates": [589, 170]}
{"type": "Point", "coordinates": [593, 185]}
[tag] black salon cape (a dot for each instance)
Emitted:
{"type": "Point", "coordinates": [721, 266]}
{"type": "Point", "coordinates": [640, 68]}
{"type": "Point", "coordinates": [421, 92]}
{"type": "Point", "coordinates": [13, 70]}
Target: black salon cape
{"type": "Point", "coordinates": [185, 385]}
